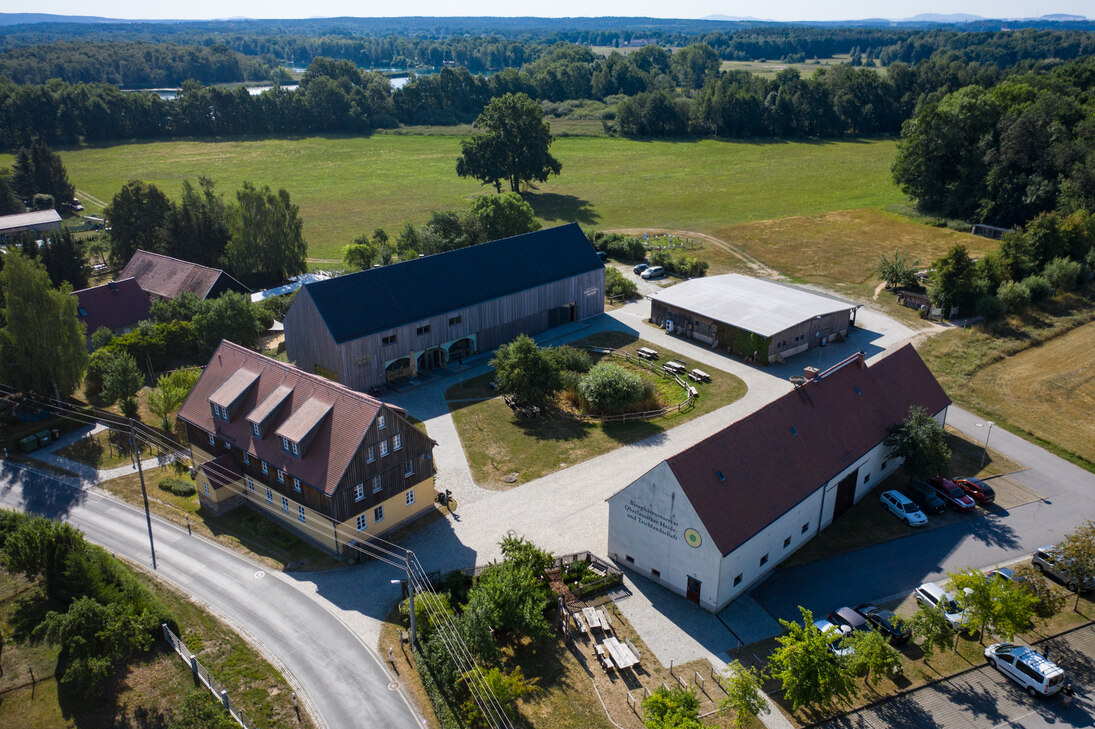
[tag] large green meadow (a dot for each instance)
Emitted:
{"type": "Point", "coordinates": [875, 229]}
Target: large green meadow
{"type": "Point", "coordinates": [347, 186]}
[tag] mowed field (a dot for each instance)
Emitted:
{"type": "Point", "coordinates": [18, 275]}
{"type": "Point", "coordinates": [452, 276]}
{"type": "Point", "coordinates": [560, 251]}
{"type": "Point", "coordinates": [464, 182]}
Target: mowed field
{"type": "Point", "coordinates": [1048, 390]}
{"type": "Point", "coordinates": [346, 186]}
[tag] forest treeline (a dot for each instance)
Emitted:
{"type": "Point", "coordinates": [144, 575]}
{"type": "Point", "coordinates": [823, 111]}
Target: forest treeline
{"type": "Point", "coordinates": [157, 57]}
{"type": "Point", "coordinates": [134, 64]}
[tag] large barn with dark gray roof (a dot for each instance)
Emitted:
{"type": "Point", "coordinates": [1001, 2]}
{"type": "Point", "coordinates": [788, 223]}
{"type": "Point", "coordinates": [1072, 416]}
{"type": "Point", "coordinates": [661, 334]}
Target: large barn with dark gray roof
{"type": "Point", "coordinates": [715, 519]}
{"type": "Point", "coordinates": [396, 321]}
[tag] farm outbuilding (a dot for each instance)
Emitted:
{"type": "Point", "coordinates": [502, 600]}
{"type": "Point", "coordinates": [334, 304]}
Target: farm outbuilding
{"type": "Point", "coordinates": [37, 221]}
{"type": "Point", "coordinates": [751, 317]}
{"type": "Point", "coordinates": [397, 321]}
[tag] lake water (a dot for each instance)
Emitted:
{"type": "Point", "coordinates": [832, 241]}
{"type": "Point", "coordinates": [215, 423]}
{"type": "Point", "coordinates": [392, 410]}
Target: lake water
{"type": "Point", "coordinates": [398, 82]}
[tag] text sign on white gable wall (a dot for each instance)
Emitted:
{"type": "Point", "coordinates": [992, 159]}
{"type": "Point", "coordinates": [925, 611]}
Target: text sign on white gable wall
{"type": "Point", "coordinates": [651, 519]}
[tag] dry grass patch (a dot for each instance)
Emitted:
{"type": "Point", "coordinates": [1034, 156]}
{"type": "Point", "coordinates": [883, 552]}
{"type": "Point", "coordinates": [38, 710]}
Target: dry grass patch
{"type": "Point", "coordinates": [1049, 390]}
{"type": "Point", "coordinates": [1031, 374]}
{"type": "Point", "coordinates": [100, 450]}
{"type": "Point", "coordinates": [497, 442]}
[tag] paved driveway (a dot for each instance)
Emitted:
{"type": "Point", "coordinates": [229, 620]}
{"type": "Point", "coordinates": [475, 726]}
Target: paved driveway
{"type": "Point", "coordinates": [984, 698]}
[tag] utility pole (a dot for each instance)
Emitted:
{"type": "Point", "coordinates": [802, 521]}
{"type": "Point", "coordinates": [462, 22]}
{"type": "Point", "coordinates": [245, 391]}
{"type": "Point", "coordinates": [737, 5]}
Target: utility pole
{"type": "Point", "coordinates": [144, 492]}
{"type": "Point", "coordinates": [985, 451]}
{"type": "Point", "coordinates": [410, 584]}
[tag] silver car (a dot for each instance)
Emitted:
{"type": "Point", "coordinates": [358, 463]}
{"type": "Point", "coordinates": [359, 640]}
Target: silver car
{"type": "Point", "coordinates": [903, 508]}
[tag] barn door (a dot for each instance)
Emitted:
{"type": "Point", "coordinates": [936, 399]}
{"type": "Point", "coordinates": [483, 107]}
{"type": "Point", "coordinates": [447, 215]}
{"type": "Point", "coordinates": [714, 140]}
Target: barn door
{"type": "Point", "coordinates": [845, 493]}
{"type": "Point", "coordinates": [693, 592]}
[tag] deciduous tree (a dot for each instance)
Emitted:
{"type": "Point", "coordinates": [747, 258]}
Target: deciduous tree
{"type": "Point", "coordinates": [743, 695]}
{"type": "Point", "coordinates": [806, 668]}
{"type": "Point", "coordinates": [170, 393]}
{"type": "Point", "coordinates": [523, 370]}
{"type": "Point", "coordinates": [138, 216]}
{"type": "Point", "coordinates": [267, 236]}
{"type": "Point", "coordinates": [921, 442]}
{"type": "Point", "coordinates": [505, 215]}
{"type": "Point", "coordinates": [1077, 558]}
{"type": "Point", "coordinates": [675, 708]}
{"type": "Point", "coordinates": [512, 144]}
{"type": "Point", "coordinates": [934, 630]}
{"type": "Point", "coordinates": [898, 271]}
{"type": "Point", "coordinates": [872, 653]}
{"type": "Point", "coordinates": [42, 345]}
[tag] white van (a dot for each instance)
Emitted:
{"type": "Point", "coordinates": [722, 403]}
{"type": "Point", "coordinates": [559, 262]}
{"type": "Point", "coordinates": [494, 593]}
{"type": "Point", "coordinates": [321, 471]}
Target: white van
{"type": "Point", "coordinates": [1038, 675]}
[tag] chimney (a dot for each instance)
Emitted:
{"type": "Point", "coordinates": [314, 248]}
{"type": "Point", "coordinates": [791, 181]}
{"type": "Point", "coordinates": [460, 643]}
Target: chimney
{"type": "Point", "coordinates": [861, 360]}
{"type": "Point", "coordinates": [113, 287]}
{"type": "Point", "coordinates": [810, 372]}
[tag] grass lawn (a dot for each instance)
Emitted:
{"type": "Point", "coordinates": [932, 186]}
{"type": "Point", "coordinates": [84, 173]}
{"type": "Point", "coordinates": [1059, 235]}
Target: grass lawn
{"type": "Point", "coordinates": [148, 690]}
{"type": "Point", "coordinates": [99, 451]}
{"type": "Point", "coordinates": [867, 523]}
{"type": "Point", "coordinates": [237, 529]}
{"type": "Point", "coordinates": [1029, 374]}
{"type": "Point", "coordinates": [497, 442]}
{"type": "Point", "coordinates": [347, 186]}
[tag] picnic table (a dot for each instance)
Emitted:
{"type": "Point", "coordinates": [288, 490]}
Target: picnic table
{"type": "Point", "coordinates": [699, 375]}
{"type": "Point", "coordinates": [620, 653]}
{"type": "Point", "coordinates": [647, 353]}
{"type": "Point", "coordinates": [674, 366]}
{"type": "Point", "coordinates": [591, 617]}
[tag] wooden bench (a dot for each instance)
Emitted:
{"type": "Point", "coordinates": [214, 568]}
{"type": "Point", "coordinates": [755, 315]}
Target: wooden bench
{"type": "Point", "coordinates": [605, 625]}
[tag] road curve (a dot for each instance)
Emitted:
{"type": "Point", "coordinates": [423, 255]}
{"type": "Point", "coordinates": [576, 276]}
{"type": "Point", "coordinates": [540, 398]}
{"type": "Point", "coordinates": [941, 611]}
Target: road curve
{"type": "Point", "coordinates": [342, 681]}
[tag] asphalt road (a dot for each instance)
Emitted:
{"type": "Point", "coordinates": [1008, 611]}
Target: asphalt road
{"type": "Point", "coordinates": [342, 679]}
{"type": "Point", "coordinates": [894, 569]}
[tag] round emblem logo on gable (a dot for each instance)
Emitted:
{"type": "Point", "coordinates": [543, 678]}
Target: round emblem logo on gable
{"type": "Point", "coordinates": [692, 537]}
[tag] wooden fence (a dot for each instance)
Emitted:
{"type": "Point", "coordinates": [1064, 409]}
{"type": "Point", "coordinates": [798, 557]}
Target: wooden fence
{"type": "Point", "coordinates": [689, 400]}
{"type": "Point", "coordinates": [206, 678]}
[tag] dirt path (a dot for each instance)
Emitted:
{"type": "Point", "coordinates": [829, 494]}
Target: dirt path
{"type": "Point", "coordinates": [878, 290]}
{"type": "Point", "coordinates": [753, 264]}
{"type": "Point", "coordinates": [91, 198]}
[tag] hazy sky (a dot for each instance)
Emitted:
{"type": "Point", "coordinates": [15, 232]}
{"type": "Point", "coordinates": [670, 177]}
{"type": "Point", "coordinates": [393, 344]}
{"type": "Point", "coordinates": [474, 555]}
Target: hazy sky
{"type": "Point", "coordinates": [786, 10]}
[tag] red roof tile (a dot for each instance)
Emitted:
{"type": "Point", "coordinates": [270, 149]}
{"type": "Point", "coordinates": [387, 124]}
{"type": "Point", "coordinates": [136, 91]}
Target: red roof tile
{"type": "Point", "coordinates": [774, 458]}
{"type": "Point", "coordinates": [336, 440]}
{"type": "Point", "coordinates": [113, 305]}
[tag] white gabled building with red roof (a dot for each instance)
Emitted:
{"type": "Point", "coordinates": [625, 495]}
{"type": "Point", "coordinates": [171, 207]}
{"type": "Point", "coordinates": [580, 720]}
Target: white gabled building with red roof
{"type": "Point", "coordinates": [715, 519]}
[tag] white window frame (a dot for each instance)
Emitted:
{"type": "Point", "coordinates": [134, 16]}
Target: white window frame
{"type": "Point", "coordinates": [362, 522]}
{"type": "Point", "coordinates": [255, 430]}
{"type": "Point", "coordinates": [250, 484]}
{"type": "Point", "coordinates": [378, 485]}
{"type": "Point", "coordinates": [383, 447]}
{"type": "Point", "coordinates": [205, 486]}
{"type": "Point", "coordinates": [410, 497]}
{"type": "Point", "coordinates": [359, 492]}
{"type": "Point", "coordinates": [397, 442]}
{"type": "Point", "coordinates": [269, 495]}
{"type": "Point", "coordinates": [381, 422]}
{"type": "Point", "coordinates": [246, 458]}
{"type": "Point", "coordinates": [285, 504]}
{"type": "Point", "coordinates": [296, 448]}
{"type": "Point", "coordinates": [285, 444]}
{"type": "Point", "coordinates": [281, 476]}
{"type": "Point", "coordinates": [378, 514]}
{"type": "Point", "coordinates": [408, 470]}
{"type": "Point", "coordinates": [300, 512]}
{"type": "Point", "coordinates": [266, 468]}
{"type": "Point", "coordinates": [212, 439]}
{"type": "Point", "coordinates": [370, 454]}
{"type": "Point", "coordinates": [296, 484]}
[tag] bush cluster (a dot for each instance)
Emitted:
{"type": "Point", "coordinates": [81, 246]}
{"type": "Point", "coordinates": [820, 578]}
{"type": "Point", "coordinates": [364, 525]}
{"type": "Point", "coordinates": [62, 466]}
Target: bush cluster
{"type": "Point", "coordinates": [619, 246]}
{"type": "Point", "coordinates": [616, 284]}
{"type": "Point", "coordinates": [679, 263]}
{"type": "Point", "coordinates": [177, 486]}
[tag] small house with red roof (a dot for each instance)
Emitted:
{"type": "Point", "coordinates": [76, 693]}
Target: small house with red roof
{"type": "Point", "coordinates": [118, 306]}
{"type": "Point", "coordinates": [715, 519]}
{"type": "Point", "coordinates": [332, 464]}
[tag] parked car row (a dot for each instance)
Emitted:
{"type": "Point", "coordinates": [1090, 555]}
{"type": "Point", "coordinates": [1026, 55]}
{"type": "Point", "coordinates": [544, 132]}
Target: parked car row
{"type": "Point", "coordinates": [934, 496]}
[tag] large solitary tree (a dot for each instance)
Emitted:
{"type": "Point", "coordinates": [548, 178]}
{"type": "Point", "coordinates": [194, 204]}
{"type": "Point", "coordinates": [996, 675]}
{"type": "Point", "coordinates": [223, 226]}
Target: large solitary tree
{"type": "Point", "coordinates": [512, 144]}
{"type": "Point", "coordinates": [42, 342]}
{"type": "Point", "coordinates": [921, 442]}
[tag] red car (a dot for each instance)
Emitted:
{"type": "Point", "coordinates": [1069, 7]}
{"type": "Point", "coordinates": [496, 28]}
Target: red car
{"type": "Point", "coordinates": [951, 493]}
{"type": "Point", "coordinates": [977, 489]}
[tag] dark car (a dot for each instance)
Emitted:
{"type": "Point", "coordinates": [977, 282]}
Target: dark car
{"type": "Point", "coordinates": [602, 255]}
{"type": "Point", "coordinates": [885, 622]}
{"type": "Point", "coordinates": [951, 493]}
{"type": "Point", "coordinates": [847, 616]}
{"type": "Point", "coordinates": [640, 267]}
{"type": "Point", "coordinates": [925, 497]}
{"type": "Point", "coordinates": [977, 489]}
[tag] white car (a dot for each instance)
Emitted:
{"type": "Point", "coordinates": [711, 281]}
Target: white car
{"type": "Point", "coordinates": [653, 272]}
{"type": "Point", "coordinates": [1038, 675]}
{"type": "Point", "coordinates": [903, 508]}
{"type": "Point", "coordinates": [932, 595]}
{"type": "Point", "coordinates": [838, 633]}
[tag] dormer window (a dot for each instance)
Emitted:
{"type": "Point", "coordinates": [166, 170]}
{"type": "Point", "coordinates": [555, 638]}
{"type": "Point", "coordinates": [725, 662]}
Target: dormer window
{"type": "Point", "coordinates": [255, 430]}
{"type": "Point", "coordinates": [285, 444]}
{"type": "Point", "coordinates": [296, 448]}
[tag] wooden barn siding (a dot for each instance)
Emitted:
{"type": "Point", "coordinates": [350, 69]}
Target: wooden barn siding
{"type": "Point", "coordinates": [307, 340]}
{"type": "Point", "coordinates": [492, 322]}
{"type": "Point", "coordinates": [830, 324]}
{"type": "Point", "coordinates": [416, 446]}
